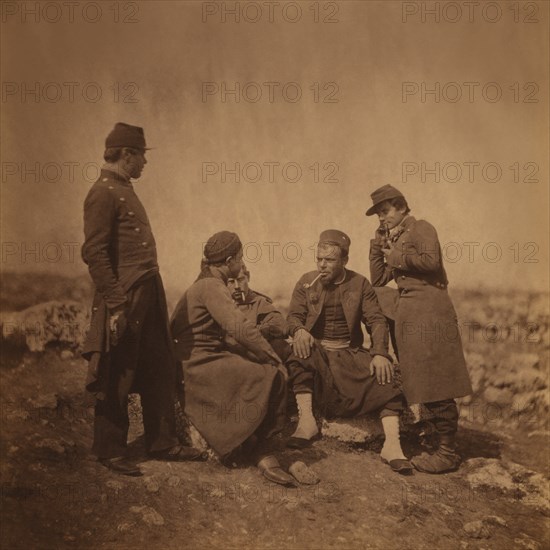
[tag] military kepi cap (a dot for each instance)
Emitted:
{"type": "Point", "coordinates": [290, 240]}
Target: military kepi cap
{"type": "Point", "coordinates": [333, 236]}
{"type": "Point", "coordinates": [125, 135]}
{"type": "Point", "coordinates": [220, 246]}
{"type": "Point", "coordinates": [382, 194]}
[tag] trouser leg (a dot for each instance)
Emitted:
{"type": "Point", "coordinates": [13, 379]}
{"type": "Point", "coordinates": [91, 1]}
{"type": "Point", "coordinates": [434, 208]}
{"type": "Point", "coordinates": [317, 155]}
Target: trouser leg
{"type": "Point", "coordinates": [445, 415]}
{"type": "Point", "coordinates": [157, 383]}
{"type": "Point", "coordinates": [301, 378]}
{"type": "Point", "coordinates": [393, 407]}
{"type": "Point", "coordinates": [111, 420]}
{"type": "Point", "coordinates": [281, 348]}
{"type": "Point", "coordinates": [275, 416]}
{"type": "Point", "coordinates": [446, 423]}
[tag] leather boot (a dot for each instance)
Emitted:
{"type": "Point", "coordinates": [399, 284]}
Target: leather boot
{"type": "Point", "coordinates": [445, 459]}
{"type": "Point", "coordinates": [122, 465]}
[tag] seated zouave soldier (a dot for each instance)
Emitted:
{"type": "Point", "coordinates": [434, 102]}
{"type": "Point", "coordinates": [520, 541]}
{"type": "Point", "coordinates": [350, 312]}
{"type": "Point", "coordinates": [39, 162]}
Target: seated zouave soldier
{"type": "Point", "coordinates": [329, 367]}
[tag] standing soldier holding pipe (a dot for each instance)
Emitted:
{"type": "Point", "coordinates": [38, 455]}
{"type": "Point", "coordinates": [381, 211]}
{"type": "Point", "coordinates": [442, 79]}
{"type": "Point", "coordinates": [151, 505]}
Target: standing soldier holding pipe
{"type": "Point", "coordinates": [431, 359]}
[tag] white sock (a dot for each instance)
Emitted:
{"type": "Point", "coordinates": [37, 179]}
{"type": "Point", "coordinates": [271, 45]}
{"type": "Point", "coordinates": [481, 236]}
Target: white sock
{"type": "Point", "coordinates": [392, 446]}
{"type": "Point", "coordinates": [307, 427]}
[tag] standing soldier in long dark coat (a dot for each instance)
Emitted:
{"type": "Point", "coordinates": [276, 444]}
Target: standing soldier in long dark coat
{"type": "Point", "coordinates": [231, 398]}
{"type": "Point", "coordinates": [429, 346]}
{"type": "Point", "coordinates": [128, 344]}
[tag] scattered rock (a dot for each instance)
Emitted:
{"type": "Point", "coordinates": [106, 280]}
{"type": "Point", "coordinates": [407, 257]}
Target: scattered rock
{"type": "Point", "coordinates": [45, 323]}
{"type": "Point", "coordinates": [353, 430]}
{"type": "Point", "coordinates": [66, 354]}
{"type": "Point", "coordinates": [499, 396]}
{"type": "Point", "coordinates": [495, 520]}
{"type": "Point", "coordinates": [17, 413]}
{"type": "Point", "coordinates": [466, 400]}
{"type": "Point", "coordinates": [445, 509]}
{"type": "Point", "coordinates": [115, 485]}
{"type": "Point", "coordinates": [303, 473]}
{"type": "Point", "coordinates": [148, 515]}
{"type": "Point", "coordinates": [124, 527]}
{"type": "Point", "coordinates": [515, 481]}
{"type": "Point", "coordinates": [527, 377]}
{"type": "Point", "coordinates": [476, 369]}
{"type": "Point", "coordinates": [151, 485]}
{"type": "Point", "coordinates": [173, 481]}
{"type": "Point", "coordinates": [51, 445]}
{"type": "Point", "coordinates": [291, 504]}
{"type": "Point", "coordinates": [43, 401]}
{"type": "Point", "coordinates": [196, 439]}
{"type": "Point", "coordinates": [477, 530]}
{"type": "Point", "coordinates": [527, 542]}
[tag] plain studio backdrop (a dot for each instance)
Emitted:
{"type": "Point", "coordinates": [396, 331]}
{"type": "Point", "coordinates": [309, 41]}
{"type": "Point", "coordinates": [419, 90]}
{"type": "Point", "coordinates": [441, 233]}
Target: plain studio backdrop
{"type": "Point", "coordinates": [277, 121]}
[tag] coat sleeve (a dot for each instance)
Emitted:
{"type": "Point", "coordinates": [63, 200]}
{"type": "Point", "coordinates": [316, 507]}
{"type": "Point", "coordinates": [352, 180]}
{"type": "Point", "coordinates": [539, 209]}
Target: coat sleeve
{"type": "Point", "coordinates": [99, 228]}
{"type": "Point", "coordinates": [380, 272]}
{"type": "Point", "coordinates": [374, 320]}
{"type": "Point", "coordinates": [420, 252]}
{"type": "Point", "coordinates": [271, 322]}
{"type": "Point", "coordinates": [224, 311]}
{"type": "Point", "coordinates": [297, 313]}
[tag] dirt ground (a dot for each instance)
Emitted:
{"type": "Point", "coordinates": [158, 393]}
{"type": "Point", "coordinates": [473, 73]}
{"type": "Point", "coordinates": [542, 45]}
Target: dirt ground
{"type": "Point", "coordinates": [55, 495]}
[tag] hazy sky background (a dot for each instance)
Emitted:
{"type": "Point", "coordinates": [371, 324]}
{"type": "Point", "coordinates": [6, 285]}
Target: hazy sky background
{"type": "Point", "coordinates": [369, 132]}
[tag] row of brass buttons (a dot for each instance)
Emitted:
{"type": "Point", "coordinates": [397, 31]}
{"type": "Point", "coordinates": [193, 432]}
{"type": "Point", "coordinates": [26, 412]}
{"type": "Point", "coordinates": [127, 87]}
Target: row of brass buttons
{"type": "Point", "coordinates": [131, 214]}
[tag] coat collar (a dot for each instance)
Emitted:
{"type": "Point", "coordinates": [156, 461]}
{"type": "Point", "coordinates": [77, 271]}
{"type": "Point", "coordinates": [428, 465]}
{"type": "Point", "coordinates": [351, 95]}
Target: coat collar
{"type": "Point", "coordinates": [250, 298]}
{"type": "Point", "coordinates": [114, 172]}
{"type": "Point", "coordinates": [408, 221]}
{"type": "Point", "coordinates": [211, 272]}
{"type": "Point", "coordinates": [318, 292]}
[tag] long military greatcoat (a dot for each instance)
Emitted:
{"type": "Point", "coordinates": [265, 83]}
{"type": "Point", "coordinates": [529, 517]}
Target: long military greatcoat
{"type": "Point", "coordinates": [429, 345]}
{"type": "Point", "coordinates": [120, 251]}
{"type": "Point", "coordinates": [227, 396]}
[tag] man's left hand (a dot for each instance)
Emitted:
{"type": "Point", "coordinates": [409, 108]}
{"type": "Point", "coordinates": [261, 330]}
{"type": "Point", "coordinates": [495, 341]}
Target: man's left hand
{"type": "Point", "coordinates": [383, 368]}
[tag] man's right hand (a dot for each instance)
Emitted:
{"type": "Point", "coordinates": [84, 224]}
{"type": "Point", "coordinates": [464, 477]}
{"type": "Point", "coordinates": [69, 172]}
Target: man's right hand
{"type": "Point", "coordinates": [117, 324]}
{"type": "Point", "coordinates": [302, 342]}
{"type": "Point", "coordinates": [379, 238]}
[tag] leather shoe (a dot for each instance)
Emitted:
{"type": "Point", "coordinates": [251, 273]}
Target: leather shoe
{"type": "Point", "coordinates": [122, 465]}
{"type": "Point", "coordinates": [301, 442]}
{"type": "Point", "coordinates": [180, 453]}
{"type": "Point", "coordinates": [399, 465]}
{"type": "Point", "coordinates": [437, 463]}
{"type": "Point", "coordinates": [271, 469]}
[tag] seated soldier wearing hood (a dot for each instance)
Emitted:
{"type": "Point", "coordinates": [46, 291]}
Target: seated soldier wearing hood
{"type": "Point", "coordinates": [229, 397]}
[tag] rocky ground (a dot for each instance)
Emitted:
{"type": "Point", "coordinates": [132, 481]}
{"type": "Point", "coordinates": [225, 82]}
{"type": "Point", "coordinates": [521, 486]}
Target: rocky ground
{"type": "Point", "coordinates": [55, 495]}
